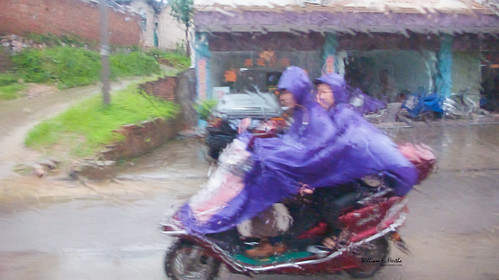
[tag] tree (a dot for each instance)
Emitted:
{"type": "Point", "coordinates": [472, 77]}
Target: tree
{"type": "Point", "coordinates": [182, 11]}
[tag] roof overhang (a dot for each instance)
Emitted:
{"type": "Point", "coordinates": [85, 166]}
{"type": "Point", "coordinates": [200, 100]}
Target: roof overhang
{"type": "Point", "coordinates": [326, 19]}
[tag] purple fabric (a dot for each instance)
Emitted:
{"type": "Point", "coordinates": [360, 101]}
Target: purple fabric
{"type": "Point", "coordinates": [338, 85]}
{"type": "Point", "coordinates": [369, 104]}
{"type": "Point", "coordinates": [360, 148]}
{"type": "Point", "coordinates": [344, 94]}
{"type": "Point", "coordinates": [320, 149]}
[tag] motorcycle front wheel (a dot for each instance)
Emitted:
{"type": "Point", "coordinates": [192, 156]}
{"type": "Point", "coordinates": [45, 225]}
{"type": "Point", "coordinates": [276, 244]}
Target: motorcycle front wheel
{"type": "Point", "coordinates": [371, 256]}
{"type": "Point", "coordinates": [185, 261]}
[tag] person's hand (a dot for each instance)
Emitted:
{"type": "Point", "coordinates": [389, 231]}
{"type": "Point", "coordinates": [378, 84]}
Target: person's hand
{"type": "Point", "coordinates": [305, 189]}
{"type": "Point", "coordinates": [243, 125]}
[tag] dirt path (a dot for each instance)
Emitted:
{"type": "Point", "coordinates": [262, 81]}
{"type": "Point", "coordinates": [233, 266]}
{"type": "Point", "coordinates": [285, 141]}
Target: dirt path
{"type": "Point", "coordinates": [18, 116]}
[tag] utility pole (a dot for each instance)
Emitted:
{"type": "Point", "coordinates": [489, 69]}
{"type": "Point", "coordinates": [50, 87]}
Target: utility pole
{"type": "Point", "coordinates": [104, 52]}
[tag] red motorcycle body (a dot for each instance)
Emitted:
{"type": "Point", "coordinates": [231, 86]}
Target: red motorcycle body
{"type": "Point", "coordinates": [371, 224]}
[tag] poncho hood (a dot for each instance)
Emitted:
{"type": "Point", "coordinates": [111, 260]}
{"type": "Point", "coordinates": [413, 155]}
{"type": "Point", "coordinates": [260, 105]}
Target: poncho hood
{"type": "Point", "coordinates": [295, 80]}
{"type": "Point", "coordinates": [337, 84]}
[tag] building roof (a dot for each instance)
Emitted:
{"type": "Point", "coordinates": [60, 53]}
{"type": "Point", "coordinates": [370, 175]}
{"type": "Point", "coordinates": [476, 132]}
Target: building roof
{"type": "Point", "coordinates": [347, 16]}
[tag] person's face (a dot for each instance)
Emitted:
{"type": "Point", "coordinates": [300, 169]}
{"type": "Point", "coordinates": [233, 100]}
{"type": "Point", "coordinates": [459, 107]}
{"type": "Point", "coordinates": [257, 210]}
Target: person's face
{"type": "Point", "coordinates": [325, 96]}
{"type": "Point", "coordinates": [287, 99]}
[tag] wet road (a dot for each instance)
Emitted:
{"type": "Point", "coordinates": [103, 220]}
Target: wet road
{"type": "Point", "coordinates": [109, 231]}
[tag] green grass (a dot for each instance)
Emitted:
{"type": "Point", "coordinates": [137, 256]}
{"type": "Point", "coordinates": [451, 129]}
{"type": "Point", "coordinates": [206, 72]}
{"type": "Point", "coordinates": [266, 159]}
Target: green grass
{"type": "Point", "coordinates": [72, 67]}
{"type": "Point", "coordinates": [56, 40]}
{"type": "Point", "coordinates": [87, 127]}
{"type": "Point", "coordinates": [7, 79]}
{"type": "Point", "coordinates": [11, 91]}
{"type": "Point", "coordinates": [171, 58]}
{"type": "Point", "coordinates": [66, 66]}
{"type": "Point", "coordinates": [133, 64]}
{"type": "Point", "coordinates": [9, 88]}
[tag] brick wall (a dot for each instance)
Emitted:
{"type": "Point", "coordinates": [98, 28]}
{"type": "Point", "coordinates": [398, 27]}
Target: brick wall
{"type": "Point", "coordinates": [143, 138]}
{"type": "Point", "coordinates": [149, 135]}
{"type": "Point", "coordinates": [67, 17]}
{"type": "Point", "coordinates": [180, 89]}
{"type": "Point", "coordinates": [164, 88]}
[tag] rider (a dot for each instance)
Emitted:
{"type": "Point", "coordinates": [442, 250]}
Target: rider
{"type": "Point", "coordinates": [307, 133]}
{"type": "Point", "coordinates": [277, 164]}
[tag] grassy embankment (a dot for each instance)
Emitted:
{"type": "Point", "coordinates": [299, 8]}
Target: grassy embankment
{"type": "Point", "coordinates": [68, 67]}
{"type": "Point", "coordinates": [88, 126]}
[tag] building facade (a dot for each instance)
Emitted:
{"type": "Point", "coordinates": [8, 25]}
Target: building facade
{"type": "Point", "coordinates": [159, 28]}
{"type": "Point", "coordinates": [383, 47]}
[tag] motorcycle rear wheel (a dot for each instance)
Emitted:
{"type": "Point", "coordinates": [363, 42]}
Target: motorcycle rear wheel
{"type": "Point", "coordinates": [186, 261]}
{"type": "Point", "coordinates": [374, 253]}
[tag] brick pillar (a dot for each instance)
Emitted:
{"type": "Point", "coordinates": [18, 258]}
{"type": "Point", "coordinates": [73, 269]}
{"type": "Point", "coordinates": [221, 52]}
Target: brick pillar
{"type": "Point", "coordinates": [202, 52]}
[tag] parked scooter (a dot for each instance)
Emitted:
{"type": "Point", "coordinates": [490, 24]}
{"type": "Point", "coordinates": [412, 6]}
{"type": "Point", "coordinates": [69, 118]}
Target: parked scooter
{"type": "Point", "coordinates": [462, 105]}
{"type": "Point", "coordinates": [420, 107]}
{"type": "Point", "coordinates": [363, 245]}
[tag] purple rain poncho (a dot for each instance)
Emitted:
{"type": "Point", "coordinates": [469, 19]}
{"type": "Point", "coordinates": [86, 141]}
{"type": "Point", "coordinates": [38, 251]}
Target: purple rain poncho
{"type": "Point", "coordinates": [360, 148]}
{"type": "Point", "coordinates": [319, 149]}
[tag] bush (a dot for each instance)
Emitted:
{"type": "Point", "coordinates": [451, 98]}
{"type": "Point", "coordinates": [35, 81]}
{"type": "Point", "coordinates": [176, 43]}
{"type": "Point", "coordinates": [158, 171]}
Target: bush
{"type": "Point", "coordinates": [204, 109]}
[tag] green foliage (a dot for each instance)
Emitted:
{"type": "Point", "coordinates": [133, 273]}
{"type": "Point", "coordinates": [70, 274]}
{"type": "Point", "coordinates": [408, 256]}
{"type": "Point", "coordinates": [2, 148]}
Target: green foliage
{"type": "Point", "coordinates": [11, 91]}
{"type": "Point", "coordinates": [9, 87]}
{"type": "Point", "coordinates": [88, 126]}
{"type": "Point", "coordinates": [205, 107]}
{"type": "Point", "coordinates": [69, 67]}
{"type": "Point", "coordinates": [180, 47]}
{"type": "Point", "coordinates": [182, 11]}
{"type": "Point", "coordinates": [55, 40]}
{"type": "Point", "coordinates": [133, 64]}
{"type": "Point", "coordinates": [72, 67]}
{"type": "Point", "coordinates": [7, 79]}
{"type": "Point", "coordinates": [173, 59]}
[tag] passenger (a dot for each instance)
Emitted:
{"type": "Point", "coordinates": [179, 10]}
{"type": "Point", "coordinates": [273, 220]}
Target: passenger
{"type": "Point", "coordinates": [359, 150]}
{"type": "Point", "coordinates": [365, 150]}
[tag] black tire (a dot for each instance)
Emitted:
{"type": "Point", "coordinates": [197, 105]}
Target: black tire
{"type": "Point", "coordinates": [376, 251]}
{"type": "Point", "coordinates": [186, 261]}
{"type": "Point", "coordinates": [429, 116]}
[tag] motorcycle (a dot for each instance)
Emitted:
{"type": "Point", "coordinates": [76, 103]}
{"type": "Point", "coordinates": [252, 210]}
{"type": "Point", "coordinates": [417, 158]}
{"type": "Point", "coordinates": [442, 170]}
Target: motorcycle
{"type": "Point", "coordinates": [420, 107]}
{"type": "Point", "coordinates": [361, 253]}
{"type": "Point", "coordinates": [462, 105]}
{"type": "Point", "coordinates": [363, 245]}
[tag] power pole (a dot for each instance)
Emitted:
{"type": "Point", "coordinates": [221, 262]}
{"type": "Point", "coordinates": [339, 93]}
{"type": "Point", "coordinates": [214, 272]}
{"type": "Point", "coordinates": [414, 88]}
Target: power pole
{"type": "Point", "coordinates": [104, 52]}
